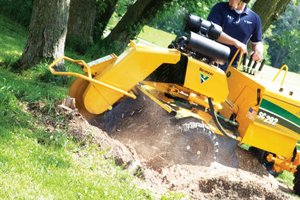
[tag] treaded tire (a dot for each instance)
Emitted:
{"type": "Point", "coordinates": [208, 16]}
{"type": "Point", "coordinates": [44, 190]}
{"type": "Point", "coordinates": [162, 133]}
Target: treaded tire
{"type": "Point", "coordinates": [196, 144]}
{"type": "Point", "coordinates": [261, 156]}
{"type": "Point", "coordinates": [297, 181]}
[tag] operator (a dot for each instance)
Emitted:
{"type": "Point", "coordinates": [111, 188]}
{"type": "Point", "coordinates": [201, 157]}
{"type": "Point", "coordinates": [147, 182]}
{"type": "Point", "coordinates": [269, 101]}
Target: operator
{"type": "Point", "coordinates": [240, 24]}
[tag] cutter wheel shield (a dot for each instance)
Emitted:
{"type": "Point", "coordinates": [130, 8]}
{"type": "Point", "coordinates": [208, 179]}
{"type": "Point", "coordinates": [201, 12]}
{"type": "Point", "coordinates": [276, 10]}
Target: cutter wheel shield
{"type": "Point", "coordinates": [196, 143]}
{"type": "Point", "coordinates": [297, 181]}
{"type": "Point", "coordinates": [76, 91]}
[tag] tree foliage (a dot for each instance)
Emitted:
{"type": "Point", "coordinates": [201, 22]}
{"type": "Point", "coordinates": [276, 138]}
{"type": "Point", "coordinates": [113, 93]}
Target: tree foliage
{"type": "Point", "coordinates": [132, 22]}
{"type": "Point", "coordinates": [171, 21]}
{"type": "Point", "coordinates": [284, 41]}
{"type": "Point", "coordinates": [159, 14]}
{"type": "Point", "coordinates": [18, 10]}
{"type": "Point", "coordinates": [124, 19]}
{"type": "Point", "coordinates": [105, 10]}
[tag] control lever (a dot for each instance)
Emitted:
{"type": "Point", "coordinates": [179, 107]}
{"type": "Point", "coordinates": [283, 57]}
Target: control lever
{"type": "Point", "coordinates": [261, 65]}
{"type": "Point", "coordinates": [252, 70]}
{"type": "Point", "coordinates": [244, 62]}
{"type": "Point", "coordinates": [249, 64]}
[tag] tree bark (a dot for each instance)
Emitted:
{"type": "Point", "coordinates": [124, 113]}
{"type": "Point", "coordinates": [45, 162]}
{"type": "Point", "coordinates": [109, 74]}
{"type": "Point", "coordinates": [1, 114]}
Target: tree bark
{"type": "Point", "coordinates": [104, 12]}
{"type": "Point", "coordinates": [47, 32]}
{"type": "Point", "coordinates": [81, 24]}
{"type": "Point", "coordinates": [269, 11]}
{"type": "Point", "coordinates": [133, 21]}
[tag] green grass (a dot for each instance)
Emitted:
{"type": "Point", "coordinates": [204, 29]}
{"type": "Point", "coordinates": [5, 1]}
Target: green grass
{"type": "Point", "coordinates": [155, 36]}
{"type": "Point", "coordinates": [30, 170]}
{"type": "Point", "coordinates": [36, 164]}
{"type": "Point", "coordinates": [286, 178]}
{"type": "Point", "coordinates": [12, 40]}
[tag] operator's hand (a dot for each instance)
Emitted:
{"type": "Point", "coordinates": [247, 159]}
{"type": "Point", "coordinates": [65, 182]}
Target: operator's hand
{"type": "Point", "coordinates": [256, 55]}
{"type": "Point", "coordinates": [241, 46]}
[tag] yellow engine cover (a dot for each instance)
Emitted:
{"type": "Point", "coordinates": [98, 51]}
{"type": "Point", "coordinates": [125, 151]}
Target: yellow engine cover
{"type": "Point", "coordinates": [207, 80]}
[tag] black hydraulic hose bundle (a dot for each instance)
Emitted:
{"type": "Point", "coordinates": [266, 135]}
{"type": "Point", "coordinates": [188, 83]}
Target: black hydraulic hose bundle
{"type": "Point", "coordinates": [219, 126]}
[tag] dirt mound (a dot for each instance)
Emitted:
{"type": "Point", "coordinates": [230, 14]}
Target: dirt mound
{"type": "Point", "coordinates": [154, 162]}
{"type": "Point", "coordinates": [163, 155]}
{"type": "Point", "coordinates": [220, 182]}
{"type": "Point", "coordinates": [214, 182]}
{"type": "Point", "coordinates": [159, 139]}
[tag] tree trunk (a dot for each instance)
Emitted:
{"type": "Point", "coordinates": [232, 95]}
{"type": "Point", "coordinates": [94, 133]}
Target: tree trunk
{"type": "Point", "coordinates": [47, 32]}
{"type": "Point", "coordinates": [103, 16]}
{"type": "Point", "coordinates": [81, 24]}
{"type": "Point", "coordinates": [133, 21]}
{"type": "Point", "coordinates": [269, 11]}
{"type": "Point", "coordinates": [125, 29]}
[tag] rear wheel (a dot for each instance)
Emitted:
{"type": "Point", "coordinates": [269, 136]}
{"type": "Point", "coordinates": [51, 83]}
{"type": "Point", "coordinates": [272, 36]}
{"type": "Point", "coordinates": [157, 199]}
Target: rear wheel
{"type": "Point", "coordinates": [297, 181]}
{"type": "Point", "coordinates": [195, 144]}
{"type": "Point", "coordinates": [262, 158]}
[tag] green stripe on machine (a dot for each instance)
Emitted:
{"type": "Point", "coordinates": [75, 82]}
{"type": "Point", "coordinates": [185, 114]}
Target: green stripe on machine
{"type": "Point", "coordinates": [287, 119]}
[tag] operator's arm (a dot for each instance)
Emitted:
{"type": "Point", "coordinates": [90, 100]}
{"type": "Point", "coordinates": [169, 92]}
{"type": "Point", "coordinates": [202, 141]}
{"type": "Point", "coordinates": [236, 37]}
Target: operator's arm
{"type": "Point", "coordinates": [257, 51]}
{"type": "Point", "coordinates": [216, 16]}
{"type": "Point", "coordinates": [226, 39]}
{"type": "Point", "coordinates": [256, 39]}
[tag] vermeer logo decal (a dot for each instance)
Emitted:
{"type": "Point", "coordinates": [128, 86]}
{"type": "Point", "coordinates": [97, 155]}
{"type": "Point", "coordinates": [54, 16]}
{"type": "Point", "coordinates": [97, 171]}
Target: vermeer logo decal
{"type": "Point", "coordinates": [203, 78]}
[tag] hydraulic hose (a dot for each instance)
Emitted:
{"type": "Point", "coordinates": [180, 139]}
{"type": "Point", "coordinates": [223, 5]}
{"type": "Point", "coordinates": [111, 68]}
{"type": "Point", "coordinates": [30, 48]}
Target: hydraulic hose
{"type": "Point", "coordinates": [219, 126]}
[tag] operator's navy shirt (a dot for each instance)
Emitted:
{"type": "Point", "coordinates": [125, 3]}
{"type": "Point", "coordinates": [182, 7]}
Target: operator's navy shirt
{"type": "Point", "coordinates": [243, 27]}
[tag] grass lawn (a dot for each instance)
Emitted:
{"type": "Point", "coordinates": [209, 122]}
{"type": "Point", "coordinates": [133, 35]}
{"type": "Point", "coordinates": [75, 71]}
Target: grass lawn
{"type": "Point", "coordinates": [12, 40]}
{"type": "Point", "coordinates": [155, 36]}
{"type": "Point", "coordinates": [30, 169]}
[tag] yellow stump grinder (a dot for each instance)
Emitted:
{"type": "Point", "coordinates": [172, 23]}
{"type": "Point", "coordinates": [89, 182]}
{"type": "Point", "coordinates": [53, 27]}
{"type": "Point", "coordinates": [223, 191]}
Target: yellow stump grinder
{"type": "Point", "coordinates": [184, 80]}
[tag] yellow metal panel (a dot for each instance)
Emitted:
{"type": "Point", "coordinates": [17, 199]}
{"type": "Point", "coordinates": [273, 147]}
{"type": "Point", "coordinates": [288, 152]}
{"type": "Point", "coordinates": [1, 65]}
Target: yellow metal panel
{"type": "Point", "coordinates": [131, 67]}
{"type": "Point", "coordinates": [246, 100]}
{"type": "Point", "coordinates": [207, 80]}
{"type": "Point", "coordinates": [288, 103]}
{"type": "Point", "coordinates": [97, 66]}
{"type": "Point", "coordinates": [270, 140]}
{"type": "Point", "coordinates": [237, 81]}
{"type": "Point", "coordinates": [76, 91]}
{"type": "Point", "coordinates": [243, 94]}
{"type": "Point", "coordinates": [280, 115]}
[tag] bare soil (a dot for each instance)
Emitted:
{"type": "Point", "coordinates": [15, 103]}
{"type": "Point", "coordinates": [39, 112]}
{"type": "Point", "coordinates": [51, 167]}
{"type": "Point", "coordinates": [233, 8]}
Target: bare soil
{"type": "Point", "coordinates": [150, 131]}
{"type": "Point", "coordinates": [147, 145]}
